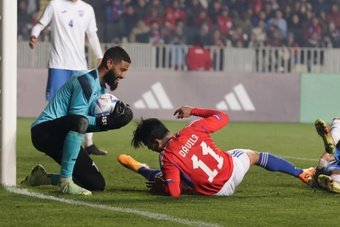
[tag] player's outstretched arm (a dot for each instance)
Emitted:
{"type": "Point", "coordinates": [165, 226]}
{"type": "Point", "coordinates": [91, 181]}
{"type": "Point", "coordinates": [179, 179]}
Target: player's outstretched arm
{"type": "Point", "coordinates": [183, 112]}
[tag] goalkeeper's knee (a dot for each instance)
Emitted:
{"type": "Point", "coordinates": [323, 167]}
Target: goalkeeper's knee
{"type": "Point", "coordinates": [78, 123]}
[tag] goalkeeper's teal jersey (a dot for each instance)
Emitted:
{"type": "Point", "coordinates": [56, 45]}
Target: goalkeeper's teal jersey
{"type": "Point", "coordinates": [74, 98]}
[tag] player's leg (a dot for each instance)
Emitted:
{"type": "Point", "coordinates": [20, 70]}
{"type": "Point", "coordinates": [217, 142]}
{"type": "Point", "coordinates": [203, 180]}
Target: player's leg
{"type": "Point", "coordinates": [87, 174]}
{"type": "Point", "coordinates": [56, 79]}
{"type": "Point", "coordinates": [71, 148]}
{"type": "Point", "coordinates": [61, 140]}
{"type": "Point", "coordinates": [324, 132]}
{"type": "Point", "coordinates": [242, 163]}
{"type": "Point", "coordinates": [90, 147]}
{"type": "Point", "coordinates": [46, 137]}
{"type": "Point", "coordinates": [275, 163]}
{"type": "Point", "coordinates": [128, 162]}
{"type": "Point", "coordinates": [335, 132]}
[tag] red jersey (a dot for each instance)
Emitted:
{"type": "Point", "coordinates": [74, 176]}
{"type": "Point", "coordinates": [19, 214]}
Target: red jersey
{"type": "Point", "coordinates": [193, 156]}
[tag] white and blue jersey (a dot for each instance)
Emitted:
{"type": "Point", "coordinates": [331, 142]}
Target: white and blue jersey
{"type": "Point", "coordinates": [74, 98]}
{"type": "Point", "coordinates": [334, 165]}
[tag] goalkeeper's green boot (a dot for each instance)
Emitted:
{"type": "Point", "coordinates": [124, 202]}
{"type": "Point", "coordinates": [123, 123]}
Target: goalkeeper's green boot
{"type": "Point", "coordinates": [326, 182]}
{"type": "Point", "coordinates": [67, 186]}
{"type": "Point", "coordinates": [324, 132]}
{"type": "Point", "coordinates": [128, 162]}
{"type": "Point", "coordinates": [38, 176]}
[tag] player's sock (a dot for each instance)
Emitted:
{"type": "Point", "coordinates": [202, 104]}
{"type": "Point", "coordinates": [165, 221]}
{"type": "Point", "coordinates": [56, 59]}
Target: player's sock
{"type": "Point", "coordinates": [55, 178]}
{"type": "Point", "coordinates": [274, 163]}
{"type": "Point", "coordinates": [71, 150]}
{"type": "Point", "coordinates": [149, 174]}
{"type": "Point", "coordinates": [88, 139]}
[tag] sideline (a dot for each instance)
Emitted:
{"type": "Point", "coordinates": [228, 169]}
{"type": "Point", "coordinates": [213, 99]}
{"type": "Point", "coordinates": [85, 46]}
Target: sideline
{"type": "Point", "coordinates": [146, 214]}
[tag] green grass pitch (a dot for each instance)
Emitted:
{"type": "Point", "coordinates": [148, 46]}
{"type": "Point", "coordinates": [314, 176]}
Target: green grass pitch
{"type": "Point", "coordinates": [263, 199]}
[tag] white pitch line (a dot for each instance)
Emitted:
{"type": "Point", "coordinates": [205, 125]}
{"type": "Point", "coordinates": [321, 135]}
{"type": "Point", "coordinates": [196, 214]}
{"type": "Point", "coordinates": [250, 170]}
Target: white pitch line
{"type": "Point", "coordinates": [299, 158]}
{"type": "Point", "coordinates": [146, 214]}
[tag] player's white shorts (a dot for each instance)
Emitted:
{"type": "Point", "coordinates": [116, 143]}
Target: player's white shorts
{"type": "Point", "coordinates": [335, 132]}
{"type": "Point", "coordinates": [241, 166]}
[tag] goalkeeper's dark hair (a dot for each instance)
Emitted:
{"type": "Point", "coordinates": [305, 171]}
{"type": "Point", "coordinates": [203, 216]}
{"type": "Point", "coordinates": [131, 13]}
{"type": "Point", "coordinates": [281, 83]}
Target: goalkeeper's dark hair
{"type": "Point", "coordinates": [116, 53]}
{"type": "Point", "coordinates": [147, 131]}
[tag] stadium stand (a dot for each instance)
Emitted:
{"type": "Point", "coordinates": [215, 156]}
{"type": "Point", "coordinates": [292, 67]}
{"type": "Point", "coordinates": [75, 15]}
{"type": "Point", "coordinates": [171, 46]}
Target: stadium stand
{"type": "Point", "coordinates": [284, 35]}
{"type": "Point", "coordinates": [302, 23]}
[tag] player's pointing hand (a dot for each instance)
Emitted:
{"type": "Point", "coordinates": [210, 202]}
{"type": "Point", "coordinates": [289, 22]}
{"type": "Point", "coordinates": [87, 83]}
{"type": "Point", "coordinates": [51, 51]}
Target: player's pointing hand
{"type": "Point", "coordinates": [183, 112]}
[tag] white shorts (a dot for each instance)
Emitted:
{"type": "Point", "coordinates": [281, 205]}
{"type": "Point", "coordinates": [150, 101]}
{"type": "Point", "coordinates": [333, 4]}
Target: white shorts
{"type": "Point", "coordinates": [335, 130]}
{"type": "Point", "coordinates": [241, 163]}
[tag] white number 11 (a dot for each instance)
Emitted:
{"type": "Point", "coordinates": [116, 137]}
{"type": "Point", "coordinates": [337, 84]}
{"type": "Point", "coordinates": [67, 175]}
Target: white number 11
{"type": "Point", "coordinates": [200, 164]}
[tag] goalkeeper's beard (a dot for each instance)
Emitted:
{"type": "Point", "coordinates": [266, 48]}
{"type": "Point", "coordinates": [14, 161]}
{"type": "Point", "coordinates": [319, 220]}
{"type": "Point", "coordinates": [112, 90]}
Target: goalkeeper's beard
{"type": "Point", "coordinates": [112, 80]}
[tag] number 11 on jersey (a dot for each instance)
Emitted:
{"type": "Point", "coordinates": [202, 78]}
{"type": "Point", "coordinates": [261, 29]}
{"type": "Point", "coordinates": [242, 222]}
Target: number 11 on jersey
{"type": "Point", "coordinates": [206, 150]}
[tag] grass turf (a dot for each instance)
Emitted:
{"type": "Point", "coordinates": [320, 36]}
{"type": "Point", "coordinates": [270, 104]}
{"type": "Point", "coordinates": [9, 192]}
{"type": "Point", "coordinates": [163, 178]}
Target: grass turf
{"type": "Point", "coordinates": [263, 199]}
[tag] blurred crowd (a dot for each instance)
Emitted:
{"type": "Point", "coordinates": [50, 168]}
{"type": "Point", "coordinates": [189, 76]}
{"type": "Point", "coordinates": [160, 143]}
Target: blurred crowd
{"type": "Point", "coordinates": [236, 23]}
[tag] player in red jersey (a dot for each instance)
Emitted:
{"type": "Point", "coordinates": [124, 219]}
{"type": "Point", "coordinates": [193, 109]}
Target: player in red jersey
{"type": "Point", "coordinates": [191, 156]}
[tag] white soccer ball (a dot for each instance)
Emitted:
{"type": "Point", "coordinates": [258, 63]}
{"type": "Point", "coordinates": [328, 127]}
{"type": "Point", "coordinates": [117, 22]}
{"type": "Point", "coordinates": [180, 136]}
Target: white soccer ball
{"type": "Point", "coordinates": [104, 105]}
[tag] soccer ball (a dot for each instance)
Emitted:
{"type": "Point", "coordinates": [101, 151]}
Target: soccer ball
{"type": "Point", "coordinates": [104, 105]}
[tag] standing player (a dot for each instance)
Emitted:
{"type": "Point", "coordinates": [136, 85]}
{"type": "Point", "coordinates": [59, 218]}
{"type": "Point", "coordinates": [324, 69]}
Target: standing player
{"type": "Point", "coordinates": [70, 20]}
{"type": "Point", "coordinates": [59, 130]}
{"type": "Point", "coordinates": [191, 156]}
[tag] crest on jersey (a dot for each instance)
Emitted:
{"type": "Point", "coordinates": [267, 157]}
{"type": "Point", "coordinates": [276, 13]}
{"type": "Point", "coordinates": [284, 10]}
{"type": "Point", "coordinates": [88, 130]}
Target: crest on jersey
{"type": "Point", "coordinates": [70, 23]}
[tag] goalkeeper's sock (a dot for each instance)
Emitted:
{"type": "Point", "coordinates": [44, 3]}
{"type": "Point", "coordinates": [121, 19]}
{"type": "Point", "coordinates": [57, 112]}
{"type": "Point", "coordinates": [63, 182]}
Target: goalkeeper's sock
{"type": "Point", "coordinates": [149, 174]}
{"type": "Point", "coordinates": [88, 139]}
{"type": "Point", "coordinates": [55, 178]}
{"type": "Point", "coordinates": [274, 163]}
{"type": "Point", "coordinates": [72, 143]}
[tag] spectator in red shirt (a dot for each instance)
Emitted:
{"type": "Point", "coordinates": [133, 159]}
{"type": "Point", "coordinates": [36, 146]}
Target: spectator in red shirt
{"type": "Point", "coordinates": [198, 57]}
{"type": "Point", "coordinates": [174, 13]}
{"type": "Point", "coordinates": [224, 22]}
{"type": "Point", "coordinates": [313, 27]}
{"type": "Point", "coordinates": [154, 16]}
{"type": "Point", "coordinates": [334, 15]}
{"type": "Point", "coordinates": [202, 17]}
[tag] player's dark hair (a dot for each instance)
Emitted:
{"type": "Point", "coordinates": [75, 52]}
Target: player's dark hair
{"type": "Point", "coordinates": [116, 53]}
{"type": "Point", "coordinates": [147, 131]}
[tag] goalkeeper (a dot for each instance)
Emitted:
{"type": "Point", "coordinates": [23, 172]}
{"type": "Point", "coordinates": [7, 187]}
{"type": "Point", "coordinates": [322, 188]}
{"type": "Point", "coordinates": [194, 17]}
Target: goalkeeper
{"type": "Point", "coordinates": [190, 157]}
{"type": "Point", "coordinates": [59, 130]}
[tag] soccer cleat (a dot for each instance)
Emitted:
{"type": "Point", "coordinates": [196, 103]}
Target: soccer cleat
{"type": "Point", "coordinates": [325, 133]}
{"type": "Point", "coordinates": [38, 176]}
{"type": "Point", "coordinates": [326, 182]}
{"type": "Point", "coordinates": [128, 162]}
{"type": "Point", "coordinates": [315, 183]}
{"type": "Point", "coordinates": [67, 186]}
{"type": "Point", "coordinates": [307, 176]}
{"type": "Point", "coordinates": [93, 149]}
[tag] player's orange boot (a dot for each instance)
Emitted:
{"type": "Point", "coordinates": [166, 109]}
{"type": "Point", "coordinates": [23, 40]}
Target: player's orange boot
{"type": "Point", "coordinates": [307, 176]}
{"type": "Point", "coordinates": [128, 162]}
{"type": "Point", "coordinates": [324, 132]}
